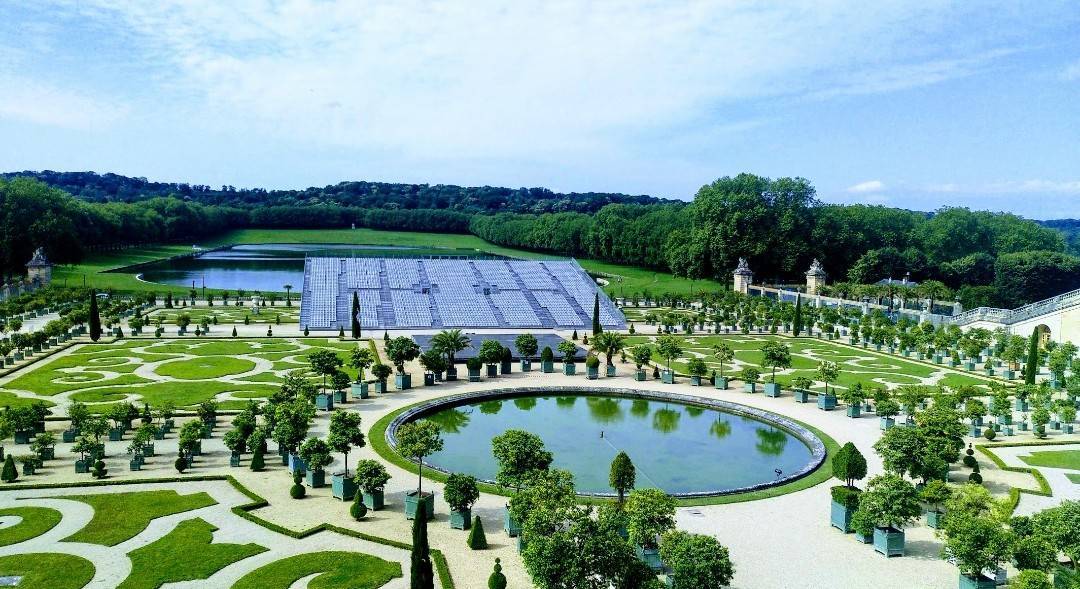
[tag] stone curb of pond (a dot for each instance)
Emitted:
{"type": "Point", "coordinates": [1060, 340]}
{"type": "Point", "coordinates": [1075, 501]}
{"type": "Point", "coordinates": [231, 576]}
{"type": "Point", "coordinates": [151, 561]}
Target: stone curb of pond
{"type": "Point", "coordinates": [817, 447]}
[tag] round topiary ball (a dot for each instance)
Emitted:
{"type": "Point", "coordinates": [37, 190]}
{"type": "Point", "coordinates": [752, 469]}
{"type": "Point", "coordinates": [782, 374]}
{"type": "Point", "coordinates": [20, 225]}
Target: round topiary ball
{"type": "Point", "coordinates": [180, 464]}
{"type": "Point", "coordinates": [297, 491]}
{"type": "Point", "coordinates": [969, 461]}
{"type": "Point", "coordinates": [975, 478]}
{"type": "Point", "coordinates": [989, 433]}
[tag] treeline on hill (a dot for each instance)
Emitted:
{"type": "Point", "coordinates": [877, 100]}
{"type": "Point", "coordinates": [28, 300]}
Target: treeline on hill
{"type": "Point", "coordinates": [94, 187]}
{"type": "Point", "coordinates": [992, 259]}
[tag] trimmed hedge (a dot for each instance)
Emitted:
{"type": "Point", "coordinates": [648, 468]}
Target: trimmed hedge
{"type": "Point", "coordinates": [1014, 493]}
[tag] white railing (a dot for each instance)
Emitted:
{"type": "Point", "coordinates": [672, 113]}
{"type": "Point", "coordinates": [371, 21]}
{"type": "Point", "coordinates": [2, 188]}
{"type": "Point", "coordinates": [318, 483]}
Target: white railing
{"type": "Point", "coordinates": [1007, 316]}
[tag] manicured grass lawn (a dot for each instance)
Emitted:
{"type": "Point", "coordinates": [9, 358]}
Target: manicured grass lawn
{"type": "Point", "coordinates": [122, 516]}
{"type": "Point", "coordinates": [205, 368]}
{"type": "Point", "coordinates": [48, 570]}
{"type": "Point", "coordinates": [856, 365]}
{"type": "Point", "coordinates": [226, 315]}
{"type": "Point", "coordinates": [185, 554]}
{"type": "Point", "coordinates": [1074, 478]}
{"type": "Point", "coordinates": [35, 522]}
{"type": "Point", "coordinates": [1054, 459]}
{"type": "Point", "coordinates": [93, 268]}
{"type": "Point", "coordinates": [340, 570]}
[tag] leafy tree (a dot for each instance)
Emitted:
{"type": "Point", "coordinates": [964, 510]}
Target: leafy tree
{"type": "Point", "coordinates": [1031, 579]}
{"type": "Point", "coordinates": [623, 474]}
{"type": "Point", "coordinates": [976, 543]}
{"type": "Point", "coordinates": [477, 539]}
{"type": "Point", "coordinates": [371, 476]}
{"type": "Point", "coordinates": [827, 372]}
{"type": "Point", "coordinates": [723, 354]}
{"type": "Point", "coordinates": [460, 491]}
{"type": "Point", "coordinates": [519, 454]}
{"type": "Point", "coordinates": [345, 433]}
{"type": "Point", "coordinates": [400, 350]}
{"type": "Point", "coordinates": [568, 349]}
{"type": "Point", "coordinates": [315, 452]}
{"type": "Point", "coordinates": [775, 355]}
{"type": "Point", "coordinates": [849, 465]}
{"type": "Point", "coordinates": [417, 440]}
{"type": "Point", "coordinates": [650, 513]}
{"type": "Point", "coordinates": [360, 359]}
{"type": "Point", "coordinates": [669, 347]}
{"type": "Point", "coordinates": [641, 354]}
{"type": "Point", "coordinates": [491, 352]}
{"type": "Point", "coordinates": [696, 560]}
{"type": "Point", "coordinates": [10, 472]}
{"type": "Point", "coordinates": [526, 345]}
{"type": "Point", "coordinates": [1058, 525]}
{"type": "Point", "coordinates": [890, 501]}
{"type": "Point", "coordinates": [324, 363]}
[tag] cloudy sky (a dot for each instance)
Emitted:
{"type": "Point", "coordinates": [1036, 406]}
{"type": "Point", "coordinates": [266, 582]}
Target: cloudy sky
{"type": "Point", "coordinates": [913, 104]}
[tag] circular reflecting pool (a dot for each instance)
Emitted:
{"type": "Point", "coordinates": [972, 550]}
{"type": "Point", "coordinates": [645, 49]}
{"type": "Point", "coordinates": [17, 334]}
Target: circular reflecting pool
{"type": "Point", "coordinates": [680, 448]}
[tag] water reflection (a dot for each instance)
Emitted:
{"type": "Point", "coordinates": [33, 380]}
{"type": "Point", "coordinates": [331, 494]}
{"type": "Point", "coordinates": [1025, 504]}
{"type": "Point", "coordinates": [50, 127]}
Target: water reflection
{"type": "Point", "coordinates": [771, 441]}
{"type": "Point", "coordinates": [525, 403]}
{"type": "Point", "coordinates": [451, 421]}
{"type": "Point", "coordinates": [639, 408]}
{"type": "Point", "coordinates": [604, 409]}
{"type": "Point", "coordinates": [666, 420]}
{"type": "Point", "coordinates": [566, 402]}
{"type": "Point", "coordinates": [491, 407]}
{"type": "Point", "coordinates": [720, 428]}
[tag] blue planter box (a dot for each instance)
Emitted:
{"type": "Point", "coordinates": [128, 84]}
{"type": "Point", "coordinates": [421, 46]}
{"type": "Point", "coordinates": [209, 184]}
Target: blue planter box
{"type": "Point", "coordinates": [854, 411]}
{"type": "Point", "coordinates": [547, 367]}
{"type": "Point", "coordinates": [721, 382]}
{"type": "Point", "coordinates": [341, 396]}
{"type": "Point", "coordinates": [451, 373]}
{"type": "Point", "coordinates": [234, 460]}
{"type": "Point", "coordinates": [979, 582]}
{"type": "Point", "coordinates": [414, 502]}
{"type": "Point", "coordinates": [380, 387]}
{"type": "Point", "coordinates": [506, 367]}
{"type": "Point", "coordinates": [510, 526]}
{"type": "Point", "coordinates": [569, 368]}
{"type": "Point", "coordinates": [297, 464]}
{"type": "Point", "coordinates": [82, 466]}
{"type": "Point", "coordinates": [840, 517]}
{"type": "Point", "coordinates": [69, 436]}
{"type": "Point", "coordinates": [667, 376]}
{"type": "Point", "coordinates": [826, 402]}
{"type": "Point", "coordinates": [649, 556]}
{"type": "Point", "coordinates": [802, 396]}
{"type": "Point", "coordinates": [115, 435]}
{"type": "Point", "coordinates": [526, 366]}
{"type": "Point", "coordinates": [492, 370]}
{"type": "Point", "coordinates": [934, 519]}
{"type": "Point", "coordinates": [1004, 419]}
{"type": "Point", "coordinates": [772, 389]}
{"type": "Point", "coordinates": [592, 373]}
{"type": "Point", "coordinates": [403, 381]}
{"type": "Point", "coordinates": [316, 478]}
{"type": "Point", "coordinates": [639, 375]}
{"type": "Point", "coordinates": [750, 387]}
{"type": "Point", "coordinates": [609, 371]}
{"type": "Point", "coordinates": [474, 375]}
{"type": "Point", "coordinates": [342, 487]}
{"type": "Point", "coordinates": [460, 520]}
{"type": "Point", "coordinates": [374, 500]}
{"type": "Point", "coordinates": [135, 465]}
{"type": "Point", "coordinates": [324, 402]}
{"type": "Point", "coordinates": [889, 541]}
{"type": "Point", "coordinates": [429, 379]}
{"type": "Point", "coordinates": [359, 390]}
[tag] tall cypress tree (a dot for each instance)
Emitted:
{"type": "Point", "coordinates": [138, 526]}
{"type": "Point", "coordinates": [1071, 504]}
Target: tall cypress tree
{"type": "Point", "coordinates": [355, 316]}
{"type": "Point", "coordinates": [596, 329]}
{"type": "Point", "coordinates": [95, 318]}
{"type": "Point", "coordinates": [421, 575]}
{"type": "Point", "coordinates": [796, 321]}
{"type": "Point", "coordinates": [1031, 369]}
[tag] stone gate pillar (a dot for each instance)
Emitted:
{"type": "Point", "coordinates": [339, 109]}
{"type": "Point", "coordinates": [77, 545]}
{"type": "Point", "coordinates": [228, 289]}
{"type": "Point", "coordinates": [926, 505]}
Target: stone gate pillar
{"type": "Point", "coordinates": [815, 278]}
{"type": "Point", "coordinates": [743, 276]}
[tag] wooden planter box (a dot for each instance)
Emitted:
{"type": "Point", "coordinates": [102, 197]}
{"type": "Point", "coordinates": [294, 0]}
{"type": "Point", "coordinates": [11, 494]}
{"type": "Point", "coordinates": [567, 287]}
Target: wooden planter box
{"type": "Point", "coordinates": [492, 370]}
{"type": "Point", "coordinates": [886, 422]}
{"type": "Point", "coordinates": [316, 478]}
{"type": "Point", "coordinates": [609, 371]}
{"type": "Point", "coordinates": [460, 520]}
{"type": "Point", "coordinates": [569, 368]}
{"type": "Point", "coordinates": [721, 383]}
{"type": "Point", "coordinates": [374, 500]}
{"type": "Point", "coordinates": [340, 396]}
{"type": "Point", "coordinates": [592, 373]}
{"type": "Point", "coordinates": [772, 389]}
{"type": "Point", "coordinates": [547, 366]}
{"type": "Point", "coordinates": [979, 582]}
{"type": "Point", "coordinates": [935, 519]}
{"type": "Point", "coordinates": [403, 382]}
{"type": "Point", "coordinates": [854, 411]}
{"type": "Point", "coordinates": [342, 487]}
{"type": "Point", "coordinates": [297, 464]}
{"type": "Point", "coordinates": [380, 387]}
{"type": "Point", "coordinates": [802, 396]}
{"type": "Point", "coordinates": [82, 466]}
{"type": "Point", "coordinates": [667, 376]}
{"type": "Point", "coordinates": [525, 366]}
{"type": "Point", "coordinates": [115, 435]}
{"type": "Point", "coordinates": [451, 374]}
{"type": "Point", "coordinates": [474, 375]}
{"type": "Point", "coordinates": [359, 390]}
{"type": "Point", "coordinates": [639, 375]}
{"type": "Point", "coordinates": [414, 502]}
{"type": "Point", "coordinates": [695, 380]}
{"type": "Point", "coordinates": [750, 387]}
{"type": "Point", "coordinates": [889, 541]}
{"type": "Point", "coordinates": [826, 402]}
{"type": "Point", "coordinates": [510, 526]}
{"type": "Point", "coordinates": [840, 517]}
{"type": "Point", "coordinates": [505, 367]}
{"type": "Point", "coordinates": [649, 556]}
{"type": "Point", "coordinates": [234, 459]}
{"type": "Point", "coordinates": [1020, 405]}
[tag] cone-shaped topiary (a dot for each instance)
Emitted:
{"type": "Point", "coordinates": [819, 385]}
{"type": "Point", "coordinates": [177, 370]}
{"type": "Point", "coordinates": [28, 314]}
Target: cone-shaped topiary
{"type": "Point", "coordinates": [477, 538]}
{"type": "Point", "coordinates": [421, 574]}
{"type": "Point", "coordinates": [497, 580]}
{"type": "Point", "coordinates": [10, 473]}
{"type": "Point", "coordinates": [358, 510]}
{"type": "Point", "coordinates": [297, 491]}
{"type": "Point", "coordinates": [234, 331]}
{"type": "Point", "coordinates": [99, 471]}
{"type": "Point", "coordinates": [257, 461]}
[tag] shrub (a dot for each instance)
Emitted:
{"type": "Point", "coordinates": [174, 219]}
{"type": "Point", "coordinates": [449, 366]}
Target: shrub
{"type": "Point", "coordinates": [970, 462]}
{"type": "Point", "coordinates": [1031, 579]}
{"type": "Point", "coordinates": [989, 434]}
{"type": "Point", "coordinates": [257, 461]}
{"type": "Point", "coordinates": [371, 475]}
{"type": "Point", "coordinates": [849, 465]}
{"type": "Point", "coordinates": [461, 491]}
{"type": "Point", "coordinates": [10, 474]}
{"type": "Point", "coordinates": [497, 580]}
{"type": "Point", "coordinates": [297, 491]}
{"type": "Point", "coordinates": [477, 539]}
{"type": "Point", "coordinates": [592, 362]}
{"type": "Point", "coordinates": [975, 478]}
{"type": "Point", "coordinates": [749, 374]}
{"type": "Point", "coordinates": [696, 560]}
{"type": "Point", "coordinates": [846, 496]}
{"type": "Point", "coordinates": [358, 510]}
{"type": "Point", "coordinates": [547, 355]}
{"type": "Point", "coordinates": [180, 464]}
{"type": "Point", "coordinates": [474, 364]}
{"type": "Point", "coordinates": [99, 470]}
{"type": "Point", "coordinates": [650, 513]}
{"type": "Point", "coordinates": [696, 367]}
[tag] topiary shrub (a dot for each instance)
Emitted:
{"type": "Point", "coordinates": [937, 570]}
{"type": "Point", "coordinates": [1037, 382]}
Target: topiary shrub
{"type": "Point", "coordinates": [257, 461]}
{"type": "Point", "coordinates": [358, 510]}
{"type": "Point", "coordinates": [975, 478]}
{"type": "Point", "coordinates": [10, 474]}
{"type": "Point", "coordinates": [497, 580]}
{"type": "Point", "coordinates": [477, 539]}
{"type": "Point", "coordinates": [846, 496]}
{"type": "Point", "coordinates": [180, 464]}
{"type": "Point", "coordinates": [297, 490]}
{"type": "Point", "coordinates": [970, 462]}
{"type": "Point", "coordinates": [99, 470]}
{"type": "Point", "coordinates": [989, 434]}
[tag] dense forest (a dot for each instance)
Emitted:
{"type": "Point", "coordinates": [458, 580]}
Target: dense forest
{"type": "Point", "coordinates": [991, 259]}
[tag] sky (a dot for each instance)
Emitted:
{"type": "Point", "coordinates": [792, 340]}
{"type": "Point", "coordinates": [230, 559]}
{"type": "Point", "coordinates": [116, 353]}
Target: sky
{"type": "Point", "coordinates": [903, 103]}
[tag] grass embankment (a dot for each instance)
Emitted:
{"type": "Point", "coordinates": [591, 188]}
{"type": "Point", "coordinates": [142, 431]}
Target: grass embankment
{"type": "Point", "coordinates": [377, 440]}
{"type": "Point", "coordinates": [34, 522]}
{"type": "Point", "coordinates": [121, 516]}
{"type": "Point", "coordinates": [94, 269]}
{"type": "Point", "coordinates": [338, 570]}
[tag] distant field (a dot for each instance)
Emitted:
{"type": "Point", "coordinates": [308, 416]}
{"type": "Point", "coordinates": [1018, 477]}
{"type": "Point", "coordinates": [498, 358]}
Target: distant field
{"type": "Point", "coordinates": [93, 270]}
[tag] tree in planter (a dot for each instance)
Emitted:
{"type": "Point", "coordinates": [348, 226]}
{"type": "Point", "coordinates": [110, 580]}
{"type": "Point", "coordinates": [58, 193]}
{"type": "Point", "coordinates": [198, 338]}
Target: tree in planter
{"type": "Point", "coordinates": [519, 454]}
{"type": "Point", "coordinates": [43, 445]}
{"type": "Point", "coordinates": [360, 359]}
{"type": "Point", "coordinates": [696, 560]}
{"type": "Point", "coordinates": [568, 349]}
{"type": "Point", "coordinates": [802, 383]}
{"type": "Point", "coordinates": [853, 395]}
{"type": "Point", "coordinates": [235, 441]}
{"type": "Point", "coordinates": [1058, 525]}
{"type": "Point", "coordinates": [371, 476]}
{"type": "Point", "coordinates": [623, 475]}
{"type": "Point", "coordinates": [749, 374]}
{"type": "Point", "coordinates": [641, 355]}
{"type": "Point", "coordinates": [474, 364]}
{"type": "Point", "coordinates": [415, 441]}
{"type": "Point", "coordinates": [490, 352]}
{"type": "Point", "coordinates": [526, 345]}
{"type": "Point", "coordinates": [461, 492]}
{"type": "Point", "coordinates": [450, 342]}
{"type": "Point", "coordinates": [292, 419]}
{"type": "Point", "coordinates": [433, 361]}
{"type": "Point", "coordinates": [339, 381]}
{"type": "Point", "coordinates": [1031, 579]}
{"type": "Point", "coordinates": [889, 501]}
{"type": "Point", "coordinates": [849, 465]}
{"type": "Point", "coordinates": [190, 435]}
{"type": "Point", "coordinates": [546, 355]}
{"type": "Point", "coordinates": [935, 494]}
{"type": "Point", "coordinates": [775, 355]}
{"type": "Point", "coordinates": [315, 453]}
{"type": "Point", "coordinates": [324, 363]}
{"type": "Point", "coordinates": [669, 347]}
{"type": "Point", "coordinates": [649, 514]}
{"type": "Point", "coordinates": [827, 372]}
{"type": "Point", "coordinates": [381, 372]}
{"type": "Point", "coordinates": [723, 354]}
{"type": "Point", "coordinates": [1039, 418]}
{"type": "Point", "coordinates": [400, 350]}
{"type": "Point", "coordinates": [345, 433]}
{"type": "Point", "coordinates": [976, 543]}
{"type": "Point", "coordinates": [696, 367]}
{"type": "Point", "coordinates": [609, 343]}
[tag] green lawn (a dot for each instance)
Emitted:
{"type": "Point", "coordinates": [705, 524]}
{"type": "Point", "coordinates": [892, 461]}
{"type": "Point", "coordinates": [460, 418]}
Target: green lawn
{"type": "Point", "coordinates": [226, 316]}
{"type": "Point", "coordinates": [1069, 459]}
{"type": "Point", "coordinates": [122, 516]}
{"type": "Point", "coordinates": [340, 570]}
{"type": "Point", "coordinates": [185, 554]}
{"type": "Point", "coordinates": [205, 368]}
{"type": "Point", "coordinates": [47, 570]}
{"type": "Point", "coordinates": [35, 522]}
{"type": "Point", "coordinates": [93, 269]}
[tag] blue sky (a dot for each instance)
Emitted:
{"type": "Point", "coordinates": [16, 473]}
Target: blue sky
{"type": "Point", "coordinates": [911, 104]}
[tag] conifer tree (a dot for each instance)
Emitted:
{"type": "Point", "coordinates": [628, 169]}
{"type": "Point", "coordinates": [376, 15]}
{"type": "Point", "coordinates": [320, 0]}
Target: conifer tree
{"type": "Point", "coordinates": [95, 318]}
{"type": "Point", "coordinates": [596, 328]}
{"type": "Point", "coordinates": [421, 574]}
{"type": "Point", "coordinates": [477, 537]}
{"type": "Point", "coordinates": [355, 316]}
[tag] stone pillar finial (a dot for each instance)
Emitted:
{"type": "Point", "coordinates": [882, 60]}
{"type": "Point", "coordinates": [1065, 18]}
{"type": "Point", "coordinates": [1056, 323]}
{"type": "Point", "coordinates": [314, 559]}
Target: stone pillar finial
{"type": "Point", "coordinates": [743, 276]}
{"type": "Point", "coordinates": [815, 278]}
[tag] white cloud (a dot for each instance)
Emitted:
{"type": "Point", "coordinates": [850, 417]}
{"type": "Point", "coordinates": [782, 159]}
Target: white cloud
{"type": "Point", "coordinates": [42, 104]}
{"type": "Point", "coordinates": [866, 187]}
{"type": "Point", "coordinates": [1011, 187]}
